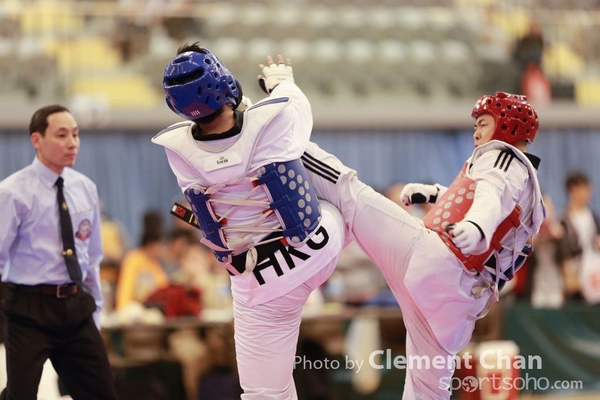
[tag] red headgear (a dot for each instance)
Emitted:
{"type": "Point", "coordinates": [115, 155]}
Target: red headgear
{"type": "Point", "coordinates": [515, 118]}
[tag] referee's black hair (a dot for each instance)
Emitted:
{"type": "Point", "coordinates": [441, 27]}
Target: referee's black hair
{"type": "Point", "coordinates": [39, 120]}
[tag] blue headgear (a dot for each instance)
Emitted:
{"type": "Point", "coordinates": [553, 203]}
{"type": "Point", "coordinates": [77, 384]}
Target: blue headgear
{"type": "Point", "coordinates": [197, 85]}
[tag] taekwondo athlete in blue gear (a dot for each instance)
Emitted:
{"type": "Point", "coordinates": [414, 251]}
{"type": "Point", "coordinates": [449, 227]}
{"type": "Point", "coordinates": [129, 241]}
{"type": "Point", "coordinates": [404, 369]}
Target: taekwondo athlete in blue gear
{"type": "Point", "coordinates": [239, 167]}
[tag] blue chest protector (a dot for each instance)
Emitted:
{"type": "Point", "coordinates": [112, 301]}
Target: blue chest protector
{"type": "Point", "coordinates": [291, 197]}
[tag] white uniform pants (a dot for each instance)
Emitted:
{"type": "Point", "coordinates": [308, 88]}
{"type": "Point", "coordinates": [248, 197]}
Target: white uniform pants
{"type": "Point", "coordinates": [266, 337]}
{"type": "Point", "coordinates": [432, 288]}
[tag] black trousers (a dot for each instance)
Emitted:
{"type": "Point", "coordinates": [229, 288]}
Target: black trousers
{"type": "Point", "coordinates": [40, 327]}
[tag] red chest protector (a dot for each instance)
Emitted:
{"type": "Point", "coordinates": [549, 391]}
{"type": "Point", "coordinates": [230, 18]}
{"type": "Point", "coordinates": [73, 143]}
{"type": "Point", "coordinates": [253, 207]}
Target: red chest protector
{"type": "Point", "coordinates": [452, 208]}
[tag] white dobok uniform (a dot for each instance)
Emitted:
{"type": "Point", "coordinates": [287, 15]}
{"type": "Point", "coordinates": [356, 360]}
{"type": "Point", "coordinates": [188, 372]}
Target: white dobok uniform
{"type": "Point", "coordinates": [268, 297]}
{"type": "Point", "coordinates": [439, 298]}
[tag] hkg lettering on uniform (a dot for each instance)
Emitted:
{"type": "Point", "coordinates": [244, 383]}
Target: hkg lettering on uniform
{"type": "Point", "coordinates": [289, 255]}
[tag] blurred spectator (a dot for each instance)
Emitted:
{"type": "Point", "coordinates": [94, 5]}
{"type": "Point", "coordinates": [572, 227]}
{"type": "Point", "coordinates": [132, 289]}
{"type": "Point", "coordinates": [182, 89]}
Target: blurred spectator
{"type": "Point", "coordinates": [195, 275]}
{"type": "Point", "coordinates": [141, 270]}
{"type": "Point", "coordinates": [179, 243]}
{"type": "Point", "coordinates": [114, 246]}
{"type": "Point", "coordinates": [192, 262]}
{"type": "Point", "coordinates": [530, 48]}
{"type": "Point", "coordinates": [582, 230]}
{"type": "Point", "coordinates": [181, 23]}
{"type": "Point", "coordinates": [547, 280]}
{"type": "Point", "coordinates": [528, 53]}
{"type": "Point", "coordinates": [151, 26]}
{"type": "Point", "coordinates": [181, 296]}
{"type": "Point", "coordinates": [200, 268]}
{"type": "Point", "coordinates": [167, 281]}
{"type": "Point", "coordinates": [114, 239]}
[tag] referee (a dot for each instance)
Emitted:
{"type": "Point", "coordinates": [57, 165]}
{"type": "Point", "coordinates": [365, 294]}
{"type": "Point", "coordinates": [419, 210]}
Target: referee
{"type": "Point", "coordinates": [50, 251]}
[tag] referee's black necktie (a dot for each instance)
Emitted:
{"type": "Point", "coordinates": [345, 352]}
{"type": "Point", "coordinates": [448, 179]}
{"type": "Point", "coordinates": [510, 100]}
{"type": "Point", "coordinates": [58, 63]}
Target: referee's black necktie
{"type": "Point", "coordinates": [66, 231]}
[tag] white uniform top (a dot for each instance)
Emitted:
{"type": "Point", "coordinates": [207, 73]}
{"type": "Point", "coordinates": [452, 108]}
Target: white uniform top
{"type": "Point", "coordinates": [505, 178]}
{"type": "Point", "coordinates": [275, 129]}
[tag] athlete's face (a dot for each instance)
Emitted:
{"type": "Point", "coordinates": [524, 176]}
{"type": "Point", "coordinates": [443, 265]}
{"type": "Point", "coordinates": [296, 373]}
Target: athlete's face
{"type": "Point", "coordinates": [58, 146]}
{"type": "Point", "coordinates": [484, 129]}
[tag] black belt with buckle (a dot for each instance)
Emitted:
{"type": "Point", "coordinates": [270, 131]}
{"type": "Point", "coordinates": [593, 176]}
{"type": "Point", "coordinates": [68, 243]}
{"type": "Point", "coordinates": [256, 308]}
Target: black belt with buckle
{"type": "Point", "coordinates": [59, 291]}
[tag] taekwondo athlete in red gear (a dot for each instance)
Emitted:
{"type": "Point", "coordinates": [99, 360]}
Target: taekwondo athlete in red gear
{"type": "Point", "coordinates": [436, 270]}
{"type": "Point", "coordinates": [242, 175]}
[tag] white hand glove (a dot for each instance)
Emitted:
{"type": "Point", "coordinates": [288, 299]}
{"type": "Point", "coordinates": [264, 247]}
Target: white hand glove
{"type": "Point", "coordinates": [418, 193]}
{"type": "Point", "coordinates": [467, 237]}
{"type": "Point", "coordinates": [274, 74]}
{"type": "Point", "coordinates": [244, 104]}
